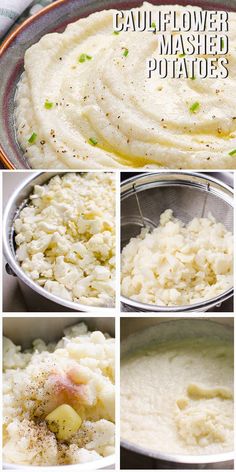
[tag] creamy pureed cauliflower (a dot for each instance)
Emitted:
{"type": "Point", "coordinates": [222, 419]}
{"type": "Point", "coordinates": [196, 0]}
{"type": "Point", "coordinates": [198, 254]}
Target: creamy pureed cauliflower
{"type": "Point", "coordinates": [59, 400]}
{"type": "Point", "coordinates": [97, 107]}
{"type": "Point", "coordinates": [65, 237]}
{"type": "Point", "coordinates": [177, 396]}
{"type": "Point", "coordinates": [177, 264]}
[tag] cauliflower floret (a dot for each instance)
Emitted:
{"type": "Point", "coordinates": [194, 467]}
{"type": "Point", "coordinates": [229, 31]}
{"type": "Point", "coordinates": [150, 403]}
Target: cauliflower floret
{"type": "Point", "coordinates": [66, 237]}
{"type": "Point", "coordinates": [178, 264]}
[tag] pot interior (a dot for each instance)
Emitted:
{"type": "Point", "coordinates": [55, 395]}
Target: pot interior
{"type": "Point", "coordinates": [22, 331]}
{"type": "Point", "coordinates": [188, 197]}
{"type": "Point", "coordinates": [136, 333]}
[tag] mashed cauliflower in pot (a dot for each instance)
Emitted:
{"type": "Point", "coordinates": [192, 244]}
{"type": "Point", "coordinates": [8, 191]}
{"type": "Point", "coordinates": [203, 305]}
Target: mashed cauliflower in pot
{"type": "Point", "coordinates": [177, 395]}
{"type": "Point", "coordinates": [59, 399]}
{"type": "Point", "coordinates": [98, 109]}
{"type": "Point", "coordinates": [177, 264]}
{"type": "Point", "coordinates": [65, 237]}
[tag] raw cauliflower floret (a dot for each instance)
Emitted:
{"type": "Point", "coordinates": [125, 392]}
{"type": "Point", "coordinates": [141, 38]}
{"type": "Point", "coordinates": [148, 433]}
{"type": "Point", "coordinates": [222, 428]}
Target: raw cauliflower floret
{"type": "Point", "coordinates": [65, 237]}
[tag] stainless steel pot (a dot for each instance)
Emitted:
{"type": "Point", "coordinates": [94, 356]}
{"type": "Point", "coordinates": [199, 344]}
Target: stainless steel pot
{"type": "Point", "coordinates": [36, 297]}
{"type": "Point", "coordinates": [23, 331]}
{"type": "Point", "coordinates": [189, 194]}
{"type": "Point", "coordinates": [133, 455]}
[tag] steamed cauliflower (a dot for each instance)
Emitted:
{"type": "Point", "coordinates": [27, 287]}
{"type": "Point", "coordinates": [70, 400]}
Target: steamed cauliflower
{"type": "Point", "coordinates": [59, 400]}
{"type": "Point", "coordinates": [178, 264]}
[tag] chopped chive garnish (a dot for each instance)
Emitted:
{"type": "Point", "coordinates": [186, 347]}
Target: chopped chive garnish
{"type": "Point", "coordinates": [126, 52]}
{"type": "Point", "coordinates": [93, 141]}
{"type": "Point", "coordinates": [153, 25]}
{"type": "Point", "coordinates": [84, 57]}
{"type": "Point", "coordinates": [194, 107]}
{"type": "Point", "coordinates": [48, 105]}
{"type": "Point", "coordinates": [32, 138]}
{"type": "Point", "coordinates": [232, 153]}
{"type": "Point", "coordinates": [222, 43]}
{"type": "Point", "coordinates": [193, 77]}
{"type": "Point", "coordinates": [182, 55]}
{"type": "Point", "coordinates": [116, 32]}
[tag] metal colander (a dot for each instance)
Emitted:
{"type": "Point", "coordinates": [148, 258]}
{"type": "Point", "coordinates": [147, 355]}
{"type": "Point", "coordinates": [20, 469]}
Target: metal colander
{"type": "Point", "coordinates": [145, 196]}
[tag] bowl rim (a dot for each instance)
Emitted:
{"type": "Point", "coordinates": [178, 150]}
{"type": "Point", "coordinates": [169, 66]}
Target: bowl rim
{"type": "Point", "coordinates": [16, 268]}
{"type": "Point", "coordinates": [199, 306]}
{"type": "Point", "coordinates": [4, 46]}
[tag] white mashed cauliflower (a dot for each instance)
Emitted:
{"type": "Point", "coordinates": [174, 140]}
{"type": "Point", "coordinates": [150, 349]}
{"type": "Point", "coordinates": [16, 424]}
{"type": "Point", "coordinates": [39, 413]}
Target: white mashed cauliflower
{"type": "Point", "coordinates": [98, 109]}
{"type": "Point", "coordinates": [76, 375]}
{"type": "Point", "coordinates": [65, 237]}
{"type": "Point", "coordinates": [178, 264]}
{"type": "Point", "coordinates": [178, 397]}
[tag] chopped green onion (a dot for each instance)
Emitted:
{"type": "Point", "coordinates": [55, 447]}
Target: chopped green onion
{"type": "Point", "coordinates": [126, 52]}
{"type": "Point", "coordinates": [232, 153]}
{"type": "Point", "coordinates": [193, 77]}
{"type": "Point", "coordinates": [48, 105]}
{"type": "Point", "coordinates": [32, 138]}
{"type": "Point", "coordinates": [153, 25]}
{"type": "Point", "coordinates": [116, 32]}
{"type": "Point", "coordinates": [182, 55]}
{"type": "Point", "coordinates": [222, 43]}
{"type": "Point", "coordinates": [84, 57]}
{"type": "Point", "coordinates": [93, 141]}
{"type": "Point", "coordinates": [194, 107]}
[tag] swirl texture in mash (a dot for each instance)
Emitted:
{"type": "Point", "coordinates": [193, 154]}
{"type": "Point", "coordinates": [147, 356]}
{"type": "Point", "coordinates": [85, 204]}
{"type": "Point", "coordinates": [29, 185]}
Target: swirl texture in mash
{"type": "Point", "coordinates": [106, 113]}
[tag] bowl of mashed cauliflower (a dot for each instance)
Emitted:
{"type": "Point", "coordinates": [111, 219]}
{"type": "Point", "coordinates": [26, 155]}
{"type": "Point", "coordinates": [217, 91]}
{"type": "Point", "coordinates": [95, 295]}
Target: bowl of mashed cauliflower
{"type": "Point", "coordinates": [177, 242]}
{"type": "Point", "coordinates": [177, 387]}
{"type": "Point", "coordinates": [58, 393]}
{"type": "Point", "coordinates": [98, 108]}
{"type": "Point", "coordinates": [60, 240]}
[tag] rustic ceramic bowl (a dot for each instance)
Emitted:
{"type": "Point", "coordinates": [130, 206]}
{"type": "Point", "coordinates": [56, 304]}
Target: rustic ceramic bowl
{"type": "Point", "coordinates": [55, 17]}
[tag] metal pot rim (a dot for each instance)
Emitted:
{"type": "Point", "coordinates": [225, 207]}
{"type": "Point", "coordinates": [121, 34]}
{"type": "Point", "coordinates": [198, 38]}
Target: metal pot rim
{"type": "Point", "coordinates": [104, 462]}
{"type": "Point", "coordinates": [200, 306]}
{"type": "Point", "coordinates": [178, 458]}
{"type": "Point", "coordinates": [10, 257]}
{"type": "Point", "coordinates": [167, 173]}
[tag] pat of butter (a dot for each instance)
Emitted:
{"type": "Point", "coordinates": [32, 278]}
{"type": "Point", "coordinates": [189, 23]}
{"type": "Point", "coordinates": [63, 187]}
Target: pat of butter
{"type": "Point", "coordinates": [64, 421]}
